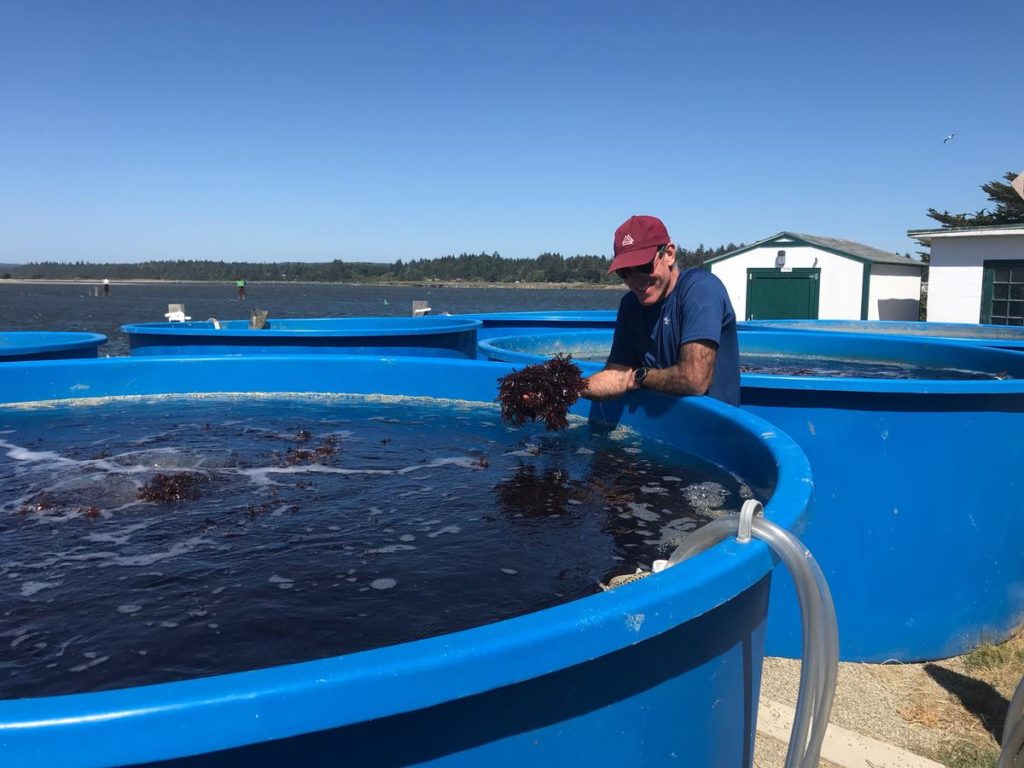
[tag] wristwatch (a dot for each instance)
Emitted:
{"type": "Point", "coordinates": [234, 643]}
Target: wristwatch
{"type": "Point", "coordinates": [639, 375]}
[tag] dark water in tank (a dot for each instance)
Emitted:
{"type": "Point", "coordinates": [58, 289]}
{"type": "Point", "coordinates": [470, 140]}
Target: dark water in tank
{"type": "Point", "coordinates": [806, 365]}
{"type": "Point", "coordinates": [80, 307]}
{"type": "Point", "coordinates": [313, 527]}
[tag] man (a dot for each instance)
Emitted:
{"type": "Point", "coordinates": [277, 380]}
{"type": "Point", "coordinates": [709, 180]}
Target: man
{"type": "Point", "coordinates": [675, 331]}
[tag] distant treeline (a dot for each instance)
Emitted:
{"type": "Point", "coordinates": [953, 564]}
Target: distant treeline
{"type": "Point", "coordinates": [482, 267]}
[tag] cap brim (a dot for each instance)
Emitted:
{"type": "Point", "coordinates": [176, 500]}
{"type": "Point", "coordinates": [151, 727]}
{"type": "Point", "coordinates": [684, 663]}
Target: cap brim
{"type": "Point", "coordinates": [634, 258]}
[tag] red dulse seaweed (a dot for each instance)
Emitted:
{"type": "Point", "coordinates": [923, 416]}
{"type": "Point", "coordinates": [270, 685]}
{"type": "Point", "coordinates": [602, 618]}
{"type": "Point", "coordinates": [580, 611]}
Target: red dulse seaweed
{"type": "Point", "coordinates": [170, 488]}
{"type": "Point", "coordinates": [541, 392]}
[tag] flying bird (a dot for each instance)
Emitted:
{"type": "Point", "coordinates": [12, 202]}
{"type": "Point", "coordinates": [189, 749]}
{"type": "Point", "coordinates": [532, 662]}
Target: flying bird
{"type": "Point", "coordinates": [949, 137]}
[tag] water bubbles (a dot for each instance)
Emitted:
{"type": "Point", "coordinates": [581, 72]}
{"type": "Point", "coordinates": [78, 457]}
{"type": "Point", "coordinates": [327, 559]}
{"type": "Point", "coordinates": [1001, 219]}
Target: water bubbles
{"type": "Point", "coordinates": [706, 496]}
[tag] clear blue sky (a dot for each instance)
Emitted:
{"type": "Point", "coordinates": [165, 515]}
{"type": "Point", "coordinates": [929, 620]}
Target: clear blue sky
{"type": "Point", "coordinates": [373, 131]}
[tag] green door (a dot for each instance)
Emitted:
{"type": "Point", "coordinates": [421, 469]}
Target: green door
{"type": "Point", "coordinates": [776, 295]}
{"type": "Point", "coordinates": [1002, 293]}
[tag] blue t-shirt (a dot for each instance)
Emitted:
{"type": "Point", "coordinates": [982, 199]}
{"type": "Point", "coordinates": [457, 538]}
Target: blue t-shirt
{"type": "Point", "coordinates": [698, 309]}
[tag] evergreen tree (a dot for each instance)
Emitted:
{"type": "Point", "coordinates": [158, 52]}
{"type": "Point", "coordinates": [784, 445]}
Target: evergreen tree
{"type": "Point", "coordinates": [1009, 208]}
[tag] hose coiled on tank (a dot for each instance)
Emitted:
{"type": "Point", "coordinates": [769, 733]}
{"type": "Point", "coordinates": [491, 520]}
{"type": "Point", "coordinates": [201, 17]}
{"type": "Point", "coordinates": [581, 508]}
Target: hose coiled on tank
{"type": "Point", "coordinates": [820, 652]}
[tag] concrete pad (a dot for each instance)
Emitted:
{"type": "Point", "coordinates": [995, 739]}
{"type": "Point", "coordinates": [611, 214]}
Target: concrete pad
{"type": "Point", "coordinates": [841, 746]}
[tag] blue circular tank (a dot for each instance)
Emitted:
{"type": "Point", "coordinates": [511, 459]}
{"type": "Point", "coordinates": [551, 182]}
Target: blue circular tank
{"type": "Point", "coordinates": [515, 323]}
{"type": "Point", "coordinates": [431, 336]}
{"type": "Point", "coordinates": [16, 346]}
{"type": "Point", "coordinates": [916, 525]}
{"type": "Point", "coordinates": [1002, 336]}
{"type": "Point", "coordinates": [663, 667]}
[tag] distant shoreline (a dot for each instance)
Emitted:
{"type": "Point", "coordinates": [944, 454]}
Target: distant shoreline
{"type": "Point", "coordinates": [251, 283]}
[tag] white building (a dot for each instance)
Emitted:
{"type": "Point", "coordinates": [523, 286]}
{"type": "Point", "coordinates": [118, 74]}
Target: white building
{"type": "Point", "coordinates": [795, 276]}
{"type": "Point", "coordinates": [976, 274]}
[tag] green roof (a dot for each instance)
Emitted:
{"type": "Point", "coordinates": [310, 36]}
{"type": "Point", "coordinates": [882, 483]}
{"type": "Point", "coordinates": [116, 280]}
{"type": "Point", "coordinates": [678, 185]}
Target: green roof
{"type": "Point", "coordinates": [848, 248]}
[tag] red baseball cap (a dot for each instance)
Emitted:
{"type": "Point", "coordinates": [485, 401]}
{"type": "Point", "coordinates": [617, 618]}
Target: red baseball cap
{"type": "Point", "coordinates": [637, 241]}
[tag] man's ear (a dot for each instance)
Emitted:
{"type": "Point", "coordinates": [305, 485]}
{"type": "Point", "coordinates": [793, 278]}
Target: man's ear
{"type": "Point", "coordinates": [670, 254]}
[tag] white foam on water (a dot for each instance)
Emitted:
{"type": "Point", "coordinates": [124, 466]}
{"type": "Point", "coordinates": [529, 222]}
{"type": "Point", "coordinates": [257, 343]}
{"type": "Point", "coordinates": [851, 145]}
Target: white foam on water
{"type": "Point", "coordinates": [445, 529]}
{"type": "Point", "coordinates": [129, 608]}
{"type": "Point", "coordinates": [509, 571]}
{"type": "Point", "coordinates": [407, 537]}
{"type": "Point", "coordinates": [390, 549]}
{"type": "Point", "coordinates": [532, 449]}
{"type": "Point", "coordinates": [469, 462]}
{"type": "Point", "coordinates": [120, 537]}
{"type": "Point", "coordinates": [178, 548]}
{"type": "Point", "coordinates": [94, 661]}
{"type": "Point", "coordinates": [281, 581]}
{"type": "Point", "coordinates": [383, 583]}
{"type": "Point", "coordinates": [653, 489]}
{"type": "Point", "coordinates": [18, 453]}
{"type": "Point", "coordinates": [672, 479]}
{"type": "Point", "coordinates": [30, 588]}
{"type": "Point", "coordinates": [642, 511]}
{"type": "Point", "coordinates": [261, 475]}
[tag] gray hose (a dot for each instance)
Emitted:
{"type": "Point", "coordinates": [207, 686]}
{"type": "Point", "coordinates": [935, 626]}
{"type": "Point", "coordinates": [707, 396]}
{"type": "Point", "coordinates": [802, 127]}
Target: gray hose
{"type": "Point", "coordinates": [1013, 731]}
{"type": "Point", "coordinates": [820, 651]}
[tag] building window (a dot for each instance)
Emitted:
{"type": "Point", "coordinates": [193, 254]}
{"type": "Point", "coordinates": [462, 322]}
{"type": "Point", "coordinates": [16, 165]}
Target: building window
{"type": "Point", "coordinates": [1002, 295]}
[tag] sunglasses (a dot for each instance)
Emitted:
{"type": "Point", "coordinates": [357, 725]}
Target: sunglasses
{"type": "Point", "coordinates": [643, 269]}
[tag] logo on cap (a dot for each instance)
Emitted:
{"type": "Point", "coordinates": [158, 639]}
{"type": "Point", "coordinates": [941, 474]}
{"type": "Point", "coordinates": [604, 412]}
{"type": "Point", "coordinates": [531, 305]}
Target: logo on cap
{"type": "Point", "coordinates": [627, 240]}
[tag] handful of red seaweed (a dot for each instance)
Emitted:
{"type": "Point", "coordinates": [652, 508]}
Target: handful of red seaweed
{"type": "Point", "coordinates": [543, 391]}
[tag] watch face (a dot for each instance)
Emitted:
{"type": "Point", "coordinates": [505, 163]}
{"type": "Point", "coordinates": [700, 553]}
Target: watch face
{"type": "Point", "coordinates": [640, 375]}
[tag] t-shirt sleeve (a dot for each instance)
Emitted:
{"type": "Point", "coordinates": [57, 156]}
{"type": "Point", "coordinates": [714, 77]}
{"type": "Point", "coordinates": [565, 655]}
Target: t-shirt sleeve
{"type": "Point", "coordinates": [704, 307]}
{"type": "Point", "coordinates": [623, 348]}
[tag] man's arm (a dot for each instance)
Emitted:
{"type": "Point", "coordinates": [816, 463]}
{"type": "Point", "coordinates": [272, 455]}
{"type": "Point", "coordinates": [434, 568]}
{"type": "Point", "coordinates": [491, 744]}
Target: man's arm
{"type": "Point", "coordinates": [614, 381]}
{"type": "Point", "coordinates": [690, 376]}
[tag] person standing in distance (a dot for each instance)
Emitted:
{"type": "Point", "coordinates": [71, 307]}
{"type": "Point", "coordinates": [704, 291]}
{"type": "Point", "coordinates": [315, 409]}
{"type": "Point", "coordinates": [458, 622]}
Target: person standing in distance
{"type": "Point", "coordinates": [675, 331]}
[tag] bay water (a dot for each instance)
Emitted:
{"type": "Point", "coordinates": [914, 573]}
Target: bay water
{"type": "Point", "coordinates": [81, 306]}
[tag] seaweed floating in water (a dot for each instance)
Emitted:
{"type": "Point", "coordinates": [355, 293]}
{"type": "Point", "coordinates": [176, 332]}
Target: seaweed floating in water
{"type": "Point", "coordinates": [41, 502]}
{"type": "Point", "coordinates": [543, 391]}
{"type": "Point", "coordinates": [171, 488]}
{"type": "Point", "coordinates": [327, 448]}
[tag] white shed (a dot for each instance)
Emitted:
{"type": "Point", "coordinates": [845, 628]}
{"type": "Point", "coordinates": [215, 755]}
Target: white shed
{"type": "Point", "coordinates": [976, 274]}
{"type": "Point", "coordinates": [790, 275]}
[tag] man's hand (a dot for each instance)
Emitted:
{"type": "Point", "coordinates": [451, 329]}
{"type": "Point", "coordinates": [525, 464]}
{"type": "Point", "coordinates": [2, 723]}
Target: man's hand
{"type": "Point", "coordinates": [614, 381]}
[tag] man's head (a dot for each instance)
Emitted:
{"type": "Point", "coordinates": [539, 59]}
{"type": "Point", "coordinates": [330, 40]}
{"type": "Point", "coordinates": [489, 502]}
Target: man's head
{"type": "Point", "coordinates": [645, 258]}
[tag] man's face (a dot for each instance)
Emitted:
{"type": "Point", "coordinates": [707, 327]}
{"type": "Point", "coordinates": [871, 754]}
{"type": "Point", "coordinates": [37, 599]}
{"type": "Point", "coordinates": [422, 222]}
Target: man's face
{"type": "Point", "coordinates": [652, 288]}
